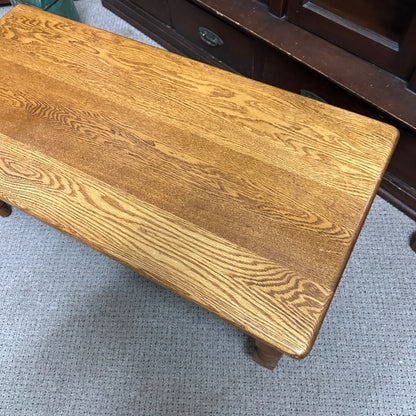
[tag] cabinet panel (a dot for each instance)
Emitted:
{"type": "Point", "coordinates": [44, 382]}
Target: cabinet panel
{"type": "Point", "coordinates": [381, 31]}
{"type": "Point", "coordinates": [388, 18]}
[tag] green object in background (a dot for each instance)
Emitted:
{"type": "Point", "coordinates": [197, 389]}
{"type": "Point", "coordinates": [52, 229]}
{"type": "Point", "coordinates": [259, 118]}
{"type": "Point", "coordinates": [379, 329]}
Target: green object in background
{"type": "Point", "coordinates": [65, 8]}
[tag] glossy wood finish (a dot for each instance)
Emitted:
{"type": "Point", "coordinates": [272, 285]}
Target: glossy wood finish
{"type": "Point", "coordinates": [266, 355]}
{"type": "Point", "coordinates": [296, 59]}
{"type": "Point", "coordinates": [5, 209]}
{"type": "Point", "coordinates": [243, 198]}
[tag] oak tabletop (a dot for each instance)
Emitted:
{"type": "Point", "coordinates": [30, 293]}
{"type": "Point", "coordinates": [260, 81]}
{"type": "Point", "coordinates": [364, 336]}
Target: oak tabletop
{"type": "Point", "coordinates": [242, 197]}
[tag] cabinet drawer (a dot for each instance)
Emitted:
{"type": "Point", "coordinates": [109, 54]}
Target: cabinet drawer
{"type": "Point", "coordinates": [215, 36]}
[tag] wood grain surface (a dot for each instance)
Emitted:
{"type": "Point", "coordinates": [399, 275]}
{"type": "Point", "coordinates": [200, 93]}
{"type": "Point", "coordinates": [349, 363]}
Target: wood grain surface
{"type": "Point", "coordinates": [244, 198]}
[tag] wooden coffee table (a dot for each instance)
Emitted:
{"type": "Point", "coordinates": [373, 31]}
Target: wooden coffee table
{"type": "Point", "coordinates": [241, 197]}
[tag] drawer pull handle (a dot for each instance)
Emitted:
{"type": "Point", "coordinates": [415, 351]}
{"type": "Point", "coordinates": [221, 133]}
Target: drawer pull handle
{"type": "Point", "coordinates": [209, 37]}
{"type": "Point", "coordinates": [312, 95]}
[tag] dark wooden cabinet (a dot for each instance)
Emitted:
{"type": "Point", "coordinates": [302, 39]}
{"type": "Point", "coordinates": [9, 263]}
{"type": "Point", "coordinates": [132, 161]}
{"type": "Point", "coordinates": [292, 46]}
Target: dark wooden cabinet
{"type": "Point", "coordinates": [359, 55]}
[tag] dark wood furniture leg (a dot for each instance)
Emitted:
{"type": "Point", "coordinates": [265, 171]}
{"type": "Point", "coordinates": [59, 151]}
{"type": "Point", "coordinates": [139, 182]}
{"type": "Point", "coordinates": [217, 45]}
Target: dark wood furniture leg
{"type": "Point", "coordinates": [5, 209]}
{"type": "Point", "coordinates": [412, 241]}
{"type": "Point", "coordinates": [266, 355]}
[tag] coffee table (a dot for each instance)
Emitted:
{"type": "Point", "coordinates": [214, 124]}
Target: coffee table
{"type": "Point", "coordinates": [241, 197]}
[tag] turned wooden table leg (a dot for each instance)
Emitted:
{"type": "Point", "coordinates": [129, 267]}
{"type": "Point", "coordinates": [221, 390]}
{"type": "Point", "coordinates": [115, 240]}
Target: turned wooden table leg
{"type": "Point", "coordinates": [266, 355]}
{"type": "Point", "coordinates": [5, 209]}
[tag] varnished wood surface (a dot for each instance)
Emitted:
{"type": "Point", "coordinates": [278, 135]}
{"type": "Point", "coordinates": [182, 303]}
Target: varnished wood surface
{"type": "Point", "coordinates": [295, 59]}
{"type": "Point", "coordinates": [243, 198]}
